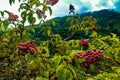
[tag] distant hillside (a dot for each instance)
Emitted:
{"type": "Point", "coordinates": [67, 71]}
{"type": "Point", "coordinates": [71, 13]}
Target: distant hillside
{"type": "Point", "coordinates": [108, 21]}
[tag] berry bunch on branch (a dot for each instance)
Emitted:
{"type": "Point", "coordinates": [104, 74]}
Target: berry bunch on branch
{"type": "Point", "coordinates": [90, 57]}
{"type": "Point", "coordinates": [51, 2]}
{"type": "Point", "coordinates": [28, 47]}
{"type": "Point", "coordinates": [12, 17]}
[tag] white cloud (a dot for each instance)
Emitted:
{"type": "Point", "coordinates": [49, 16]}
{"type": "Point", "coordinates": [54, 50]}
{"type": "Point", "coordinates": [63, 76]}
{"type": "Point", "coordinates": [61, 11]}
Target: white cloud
{"type": "Point", "coordinates": [62, 7]}
{"type": "Point", "coordinates": [4, 5]}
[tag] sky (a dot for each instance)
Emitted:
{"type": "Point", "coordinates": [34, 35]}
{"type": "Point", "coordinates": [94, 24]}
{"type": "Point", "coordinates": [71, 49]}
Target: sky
{"type": "Point", "coordinates": [62, 7]}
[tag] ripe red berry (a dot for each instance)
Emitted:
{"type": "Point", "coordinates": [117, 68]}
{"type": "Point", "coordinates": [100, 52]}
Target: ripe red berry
{"type": "Point", "coordinates": [91, 57]}
{"type": "Point", "coordinates": [28, 47]}
{"type": "Point", "coordinates": [12, 17]}
{"type": "Point", "coordinates": [51, 2]}
{"type": "Point", "coordinates": [94, 27]}
{"type": "Point", "coordinates": [79, 55]}
{"type": "Point", "coordinates": [84, 42]}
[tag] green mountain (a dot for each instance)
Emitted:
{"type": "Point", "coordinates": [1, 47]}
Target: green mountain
{"type": "Point", "coordinates": [108, 21]}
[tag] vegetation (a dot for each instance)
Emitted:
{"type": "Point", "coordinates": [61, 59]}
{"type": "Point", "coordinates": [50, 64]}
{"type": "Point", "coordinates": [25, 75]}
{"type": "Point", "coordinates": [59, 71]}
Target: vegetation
{"type": "Point", "coordinates": [93, 57]}
{"type": "Point", "coordinates": [107, 22]}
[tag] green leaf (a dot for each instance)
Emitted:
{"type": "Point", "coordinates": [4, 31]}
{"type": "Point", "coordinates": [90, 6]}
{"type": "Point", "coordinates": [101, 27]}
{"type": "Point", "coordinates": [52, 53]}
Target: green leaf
{"type": "Point", "coordinates": [70, 75]}
{"type": "Point", "coordinates": [39, 78]}
{"type": "Point", "coordinates": [1, 27]}
{"type": "Point", "coordinates": [50, 10]}
{"type": "Point", "coordinates": [53, 23]}
{"type": "Point", "coordinates": [11, 1]}
{"type": "Point", "coordinates": [68, 20]}
{"type": "Point", "coordinates": [37, 3]}
{"type": "Point", "coordinates": [32, 3]}
{"type": "Point", "coordinates": [44, 8]}
{"type": "Point", "coordinates": [72, 70]}
{"type": "Point", "coordinates": [30, 17]}
{"type": "Point", "coordinates": [19, 0]}
{"type": "Point", "coordinates": [46, 30]}
{"type": "Point", "coordinates": [73, 53]}
{"type": "Point", "coordinates": [2, 13]}
{"type": "Point", "coordinates": [61, 66]}
{"type": "Point", "coordinates": [45, 51]}
{"type": "Point", "coordinates": [56, 61]}
{"type": "Point", "coordinates": [23, 15]}
{"type": "Point", "coordinates": [5, 24]}
{"type": "Point", "coordinates": [62, 74]}
{"type": "Point", "coordinates": [46, 74]}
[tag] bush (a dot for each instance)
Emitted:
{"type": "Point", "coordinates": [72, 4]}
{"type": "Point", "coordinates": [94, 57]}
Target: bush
{"type": "Point", "coordinates": [56, 58]}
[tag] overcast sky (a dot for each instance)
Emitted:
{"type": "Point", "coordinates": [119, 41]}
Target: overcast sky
{"type": "Point", "coordinates": [62, 7]}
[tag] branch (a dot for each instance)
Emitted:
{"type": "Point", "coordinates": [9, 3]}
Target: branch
{"type": "Point", "coordinates": [68, 37]}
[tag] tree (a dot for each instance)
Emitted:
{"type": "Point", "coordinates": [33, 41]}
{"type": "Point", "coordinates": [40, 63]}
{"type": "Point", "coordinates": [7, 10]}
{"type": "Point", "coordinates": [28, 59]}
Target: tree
{"type": "Point", "coordinates": [55, 58]}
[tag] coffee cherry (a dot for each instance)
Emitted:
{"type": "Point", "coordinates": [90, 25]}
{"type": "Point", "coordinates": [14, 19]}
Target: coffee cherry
{"type": "Point", "coordinates": [12, 17]}
{"type": "Point", "coordinates": [84, 42]}
{"type": "Point", "coordinates": [94, 27]}
{"type": "Point", "coordinates": [28, 47]}
{"type": "Point", "coordinates": [51, 2]}
{"type": "Point", "coordinates": [90, 57]}
{"type": "Point", "coordinates": [79, 55]}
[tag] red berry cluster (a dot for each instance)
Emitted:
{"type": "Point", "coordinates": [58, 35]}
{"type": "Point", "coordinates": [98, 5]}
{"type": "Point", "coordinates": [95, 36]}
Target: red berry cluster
{"type": "Point", "coordinates": [90, 57]}
{"type": "Point", "coordinates": [51, 2]}
{"type": "Point", "coordinates": [94, 27]}
{"type": "Point", "coordinates": [84, 42]}
{"type": "Point", "coordinates": [28, 47]}
{"type": "Point", "coordinates": [41, 13]}
{"type": "Point", "coordinates": [12, 17]}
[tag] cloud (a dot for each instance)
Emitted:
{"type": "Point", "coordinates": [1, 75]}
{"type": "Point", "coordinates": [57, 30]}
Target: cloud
{"type": "Point", "coordinates": [103, 3]}
{"type": "Point", "coordinates": [85, 6]}
{"type": "Point", "coordinates": [62, 7]}
{"type": "Point", "coordinates": [117, 5]}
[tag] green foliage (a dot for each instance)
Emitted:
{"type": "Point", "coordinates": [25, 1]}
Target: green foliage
{"type": "Point", "coordinates": [106, 24]}
{"type": "Point", "coordinates": [55, 57]}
